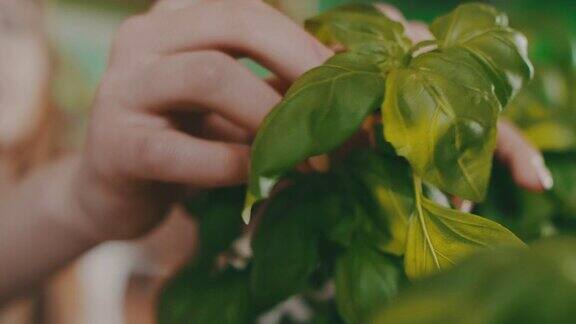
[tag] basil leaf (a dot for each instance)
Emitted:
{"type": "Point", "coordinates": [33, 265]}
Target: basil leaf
{"type": "Point", "coordinates": [361, 28]}
{"type": "Point", "coordinates": [285, 251]}
{"type": "Point", "coordinates": [506, 286]}
{"type": "Point", "coordinates": [320, 111]}
{"type": "Point", "coordinates": [389, 181]}
{"type": "Point", "coordinates": [438, 237]}
{"type": "Point", "coordinates": [329, 206]}
{"type": "Point", "coordinates": [483, 31]}
{"type": "Point", "coordinates": [326, 314]}
{"type": "Point", "coordinates": [365, 281]}
{"type": "Point", "coordinates": [441, 110]}
{"type": "Point", "coordinates": [219, 223]}
{"type": "Point", "coordinates": [196, 297]}
{"type": "Point", "coordinates": [440, 114]}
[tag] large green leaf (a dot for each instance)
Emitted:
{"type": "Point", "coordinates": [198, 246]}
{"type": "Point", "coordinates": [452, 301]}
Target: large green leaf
{"type": "Point", "coordinates": [285, 250]}
{"type": "Point", "coordinates": [441, 110]}
{"type": "Point", "coordinates": [440, 114]}
{"type": "Point", "coordinates": [219, 223]}
{"type": "Point", "coordinates": [195, 297]}
{"type": "Point", "coordinates": [389, 181]}
{"type": "Point", "coordinates": [365, 280]}
{"type": "Point", "coordinates": [320, 111]}
{"type": "Point", "coordinates": [510, 286]}
{"type": "Point", "coordinates": [438, 237]}
{"type": "Point", "coordinates": [483, 31]}
{"type": "Point", "coordinates": [362, 28]}
{"type": "Point", "coordinates": [328, 204]}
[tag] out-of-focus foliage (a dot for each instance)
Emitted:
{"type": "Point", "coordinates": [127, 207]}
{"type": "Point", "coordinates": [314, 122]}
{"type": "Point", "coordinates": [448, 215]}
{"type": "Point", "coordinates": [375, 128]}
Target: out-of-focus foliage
{"type": "Point", "coordinates": [546, 113]}
{"type": "Point", "coordinates": [200, 297]}
{"type": "Point", "coordinates": [199, 292]}
{"type": "Point", "coordinates": [506, 286]}
{"type": "Point", "coordinates": [546, 109]}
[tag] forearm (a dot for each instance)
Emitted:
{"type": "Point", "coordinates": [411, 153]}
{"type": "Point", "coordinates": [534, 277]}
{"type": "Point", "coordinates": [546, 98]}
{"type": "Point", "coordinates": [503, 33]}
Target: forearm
{"type": "Point", "coordinates": [41, 228]}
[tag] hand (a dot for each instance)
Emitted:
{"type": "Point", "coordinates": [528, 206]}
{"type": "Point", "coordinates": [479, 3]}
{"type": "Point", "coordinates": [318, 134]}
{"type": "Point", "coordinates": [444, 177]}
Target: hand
{"type": "Point", "coordinates": [175, 110]}
{"type": "Point", "coordinates": [177, 64]}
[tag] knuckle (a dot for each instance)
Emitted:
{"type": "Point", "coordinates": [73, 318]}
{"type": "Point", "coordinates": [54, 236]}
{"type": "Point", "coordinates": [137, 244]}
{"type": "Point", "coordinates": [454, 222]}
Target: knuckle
{"type": "Point", "coordinates": [212, 69]}
{"type": "Point", "coordinates": [131, 26]}
{"type": "Point", "coordinates": [151, 153]}
{"type": "Point", "coordinates": [241, 6]}
{"type": "Point", "coordinates": [113, 94]}
{"type": "Point", "coordinates": [245, 16]}
{"type": "Point", "coordinates": [233, 168]}
{"type": "Point", "coordinates": [129, 36]}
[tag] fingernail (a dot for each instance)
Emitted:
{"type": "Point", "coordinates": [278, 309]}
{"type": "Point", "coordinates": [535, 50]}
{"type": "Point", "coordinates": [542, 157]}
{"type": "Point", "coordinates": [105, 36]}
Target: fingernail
{"type": "Point", "coordinates": [543, 174]}
{"type": "Point", "coordinates": [320, 163]}
{"type": "Point", "coordinates": [466, 206]}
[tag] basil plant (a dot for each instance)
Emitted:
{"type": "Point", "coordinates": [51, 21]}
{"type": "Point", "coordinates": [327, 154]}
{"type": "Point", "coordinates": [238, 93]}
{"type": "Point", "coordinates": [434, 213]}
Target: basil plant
{"type": "Point", "coordinates": [379, 219]}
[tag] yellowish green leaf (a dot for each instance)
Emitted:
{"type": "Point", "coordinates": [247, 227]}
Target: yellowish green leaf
{"type": "Point", "coordinates": [361, 28]}
{"type": "Point", "coordinates": [440, 114]}
{"type": "Point", "coordinates": [439, 237]}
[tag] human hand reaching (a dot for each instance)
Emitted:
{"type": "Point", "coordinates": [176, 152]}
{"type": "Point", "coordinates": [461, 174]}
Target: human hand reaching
{"type": "Point", "coordinates": [175, 110]}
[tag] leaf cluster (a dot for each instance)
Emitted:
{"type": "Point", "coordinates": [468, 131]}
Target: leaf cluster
{"type": "Point", "coordinates": [379, 218]}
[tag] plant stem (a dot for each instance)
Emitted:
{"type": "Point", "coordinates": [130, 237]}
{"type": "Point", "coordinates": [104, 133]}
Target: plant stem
{"type": "Point", "coordinates": [420, 212]}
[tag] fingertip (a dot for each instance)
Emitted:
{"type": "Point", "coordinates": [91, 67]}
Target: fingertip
{"type": "Point", "coordinates": [532, 174]}
{"type": "Point", "coordinates": [526, 163]}
{"type": "Point", "coordinates": [542, 172]}
{"type": "Point", "coordinates": [418, 31]}
{"type": "Point", "coordinates": [234, 168]}
{"type": "Point", "coordinates": [391, 12]}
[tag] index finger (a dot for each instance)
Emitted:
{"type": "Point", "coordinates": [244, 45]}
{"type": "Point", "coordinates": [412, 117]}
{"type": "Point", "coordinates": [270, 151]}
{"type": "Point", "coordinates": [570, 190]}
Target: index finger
{"type": "Point", "coordinates": [247, 27]}
{"type": "Point", "coordinates": [524, 160]}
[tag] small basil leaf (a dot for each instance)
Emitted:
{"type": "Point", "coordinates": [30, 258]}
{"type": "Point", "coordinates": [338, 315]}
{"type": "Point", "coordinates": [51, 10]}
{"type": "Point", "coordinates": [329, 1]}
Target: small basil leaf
{"type": "Point", "coordinates": [361, 28]}
{"type": "Point", "coordinates": [389, 181]}
{"type": "Point", "coordinates": [484, 32]}
{"type": "Point", "coordinates": [365, 280]}
{"type": "Point", "coordinates": [219, 223]}
{"type": "Point", "coordinates": [320, 111]}
{"type": "Point", "coordinates": [439, 237]}
{"type": "Point", "coordinates": [285, 251]}
{"type": "Point", "coordinates": [440, 114]}
{"type": "Point", "coordinates": [196, 297]}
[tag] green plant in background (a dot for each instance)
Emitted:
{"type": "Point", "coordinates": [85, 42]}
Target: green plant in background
{"type": "Point", "coordinates": [546, 112]}
{"type": "Point", "coordinates": [378, 219]}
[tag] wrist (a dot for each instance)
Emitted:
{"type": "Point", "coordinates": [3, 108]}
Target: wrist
{"type": "Point", "coordinates": [63, 204]}
{"type": "Point", "coordinates": [114, 207]}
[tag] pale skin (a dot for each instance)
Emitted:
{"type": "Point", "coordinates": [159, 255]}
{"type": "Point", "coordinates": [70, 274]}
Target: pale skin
{"type": "Point", "coordinates": [176, 62]}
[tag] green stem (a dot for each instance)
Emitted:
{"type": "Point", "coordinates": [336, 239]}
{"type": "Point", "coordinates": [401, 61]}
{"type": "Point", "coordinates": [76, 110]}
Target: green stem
{"type": "Point", "coordinates": [418, 198]}
{"type": "Point", "coordinates": [410, 55]}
